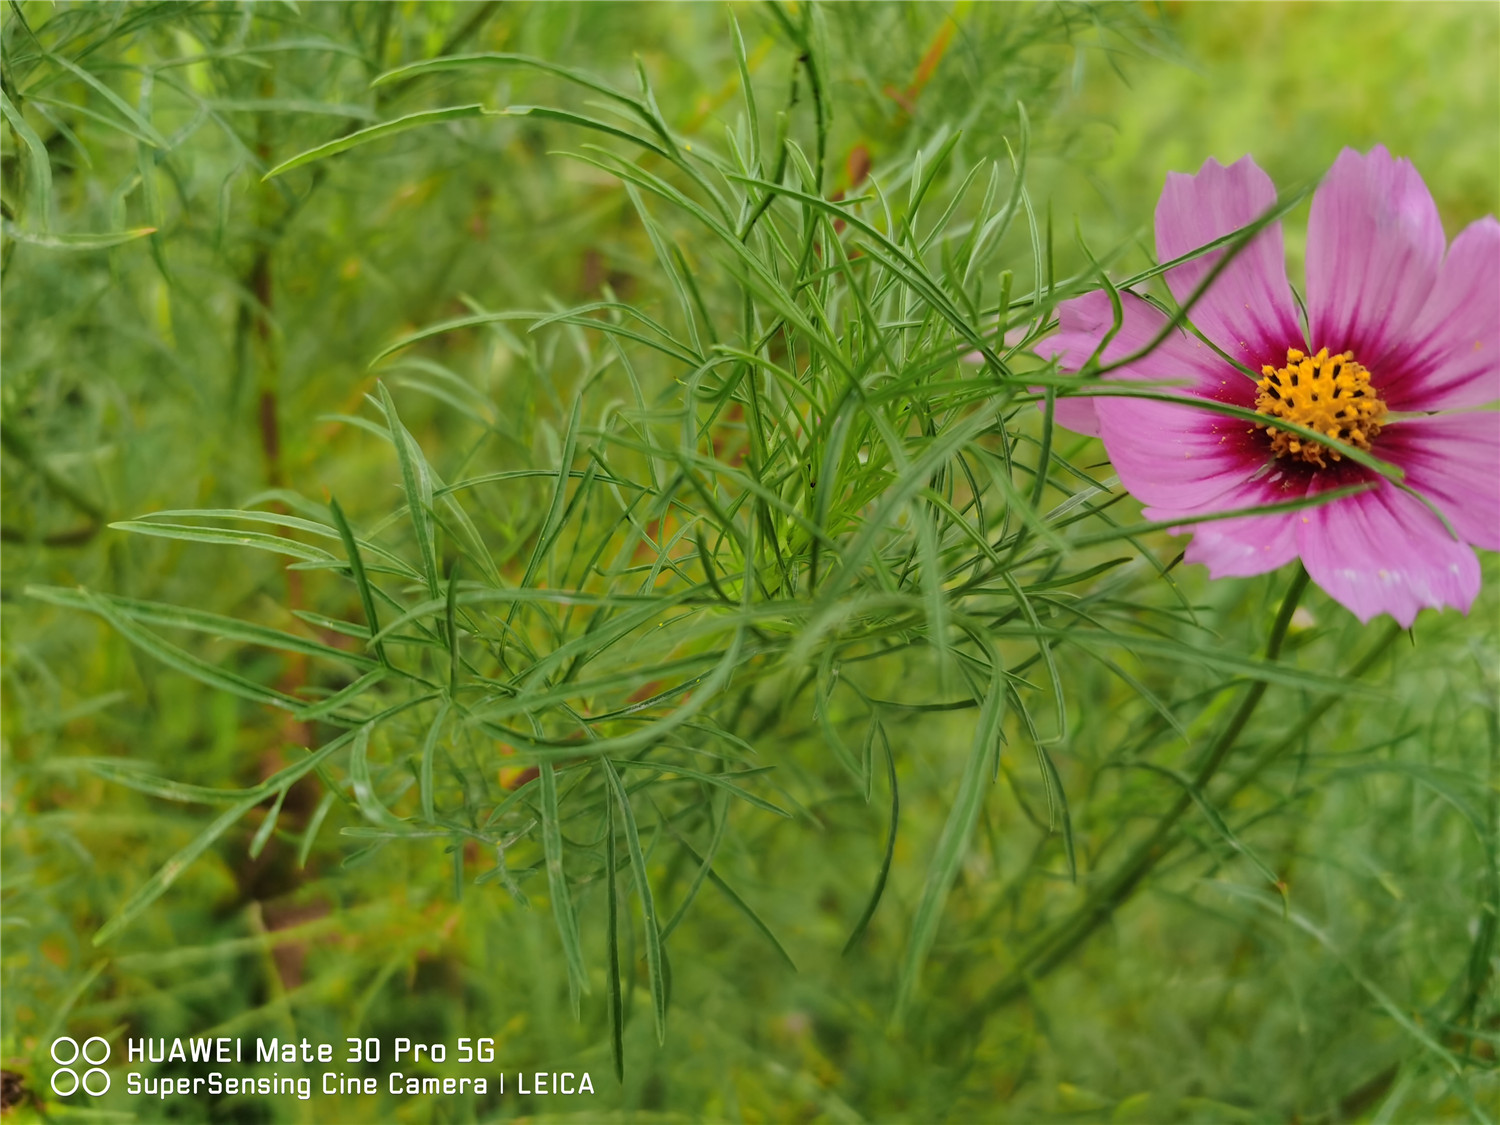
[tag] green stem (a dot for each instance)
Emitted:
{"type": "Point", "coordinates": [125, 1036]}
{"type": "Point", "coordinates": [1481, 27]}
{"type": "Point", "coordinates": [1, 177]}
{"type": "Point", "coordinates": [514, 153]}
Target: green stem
{"type": "Point", "coordinates": [1059, 942]}
{"type": "Point", "coordinates": [1317, 711]}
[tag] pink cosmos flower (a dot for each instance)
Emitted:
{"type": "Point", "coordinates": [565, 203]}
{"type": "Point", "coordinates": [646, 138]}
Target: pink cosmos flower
{"type": "Point", "coordinates": [1401, 338]}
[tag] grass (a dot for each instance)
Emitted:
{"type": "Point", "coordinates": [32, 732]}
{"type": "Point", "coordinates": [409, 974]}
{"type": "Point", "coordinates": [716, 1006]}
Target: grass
{"type": "Point", "coordinates": [562, 547]}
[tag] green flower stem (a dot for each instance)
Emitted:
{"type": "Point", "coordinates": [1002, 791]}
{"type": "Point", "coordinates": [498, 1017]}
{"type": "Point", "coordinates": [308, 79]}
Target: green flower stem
{"type": "Point", "coordinates": [1382, 642]}
{"type": "Point", "coordinates": [1058, 943]}
{"type": "Point", "coordinates": [1247, 777]}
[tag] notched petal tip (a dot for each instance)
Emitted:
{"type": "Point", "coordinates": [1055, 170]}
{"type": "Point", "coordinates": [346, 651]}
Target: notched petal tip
{"type": "Point", "coordinates": [1383, 552]}
{"type": "Point", "coordinates": [1247, 309]}
{"type": "Point", "coordinates": [1375, 243]}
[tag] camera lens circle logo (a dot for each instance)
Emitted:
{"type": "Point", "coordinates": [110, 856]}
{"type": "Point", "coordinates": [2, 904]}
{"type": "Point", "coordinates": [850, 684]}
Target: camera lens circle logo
{"type": "Point", "coordinates": [66, 1052]}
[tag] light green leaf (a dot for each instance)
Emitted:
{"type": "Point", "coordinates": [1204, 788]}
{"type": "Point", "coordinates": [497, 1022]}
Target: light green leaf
{"type": "Point", "coordinates": [376, 133]}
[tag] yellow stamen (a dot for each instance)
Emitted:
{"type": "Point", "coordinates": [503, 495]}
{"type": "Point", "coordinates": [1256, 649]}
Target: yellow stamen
{"type": "Point", "coordinates": [1330, 394]}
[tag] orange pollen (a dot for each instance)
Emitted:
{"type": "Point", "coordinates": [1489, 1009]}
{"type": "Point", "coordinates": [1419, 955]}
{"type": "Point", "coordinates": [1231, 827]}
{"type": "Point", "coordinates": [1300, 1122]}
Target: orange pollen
{"type": "Point", "coordinates": [1327, 393]}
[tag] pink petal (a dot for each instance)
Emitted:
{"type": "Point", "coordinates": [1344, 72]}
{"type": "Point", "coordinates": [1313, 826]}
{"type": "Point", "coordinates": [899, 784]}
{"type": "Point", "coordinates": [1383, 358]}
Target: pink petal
{"type": "Point", "coordinates": [1179, 459]}
{"type": "Point", "coordinates": [1245, 545]}
{"type": "Point", "coordinates": [1076, 414]}
{"type": "Point", "coordinates": [1384, 552]}
{"type": "Point", "coordinates": [1451, 357]}
{"type": "Point", "coordinates": [1180, 359]}
{"type": "Point", "coordinates": [1454, 461]}
{"type": "Point", "coordinates": [1374, 247]}
{"type": "Point", "coordinates": [1248, 309]}
{"type": "Point", "coordinates": [1174, 456]}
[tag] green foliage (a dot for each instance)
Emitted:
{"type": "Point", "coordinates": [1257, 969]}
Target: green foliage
{"type": "Point", "coordinates": [501, 536]}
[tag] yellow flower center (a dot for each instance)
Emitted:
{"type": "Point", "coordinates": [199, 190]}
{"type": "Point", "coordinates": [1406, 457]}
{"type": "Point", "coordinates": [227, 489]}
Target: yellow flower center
{"type": "Point", "coordinates": [1327, 393]}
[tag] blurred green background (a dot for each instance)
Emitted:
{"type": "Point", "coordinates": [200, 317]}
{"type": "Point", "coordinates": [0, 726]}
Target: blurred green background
{"type": "Point", "coordinates": [198, 366]}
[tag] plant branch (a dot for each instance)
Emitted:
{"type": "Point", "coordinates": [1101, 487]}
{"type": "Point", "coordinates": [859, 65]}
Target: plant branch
{"type": "Point", "coordinates": [1055, 946]}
